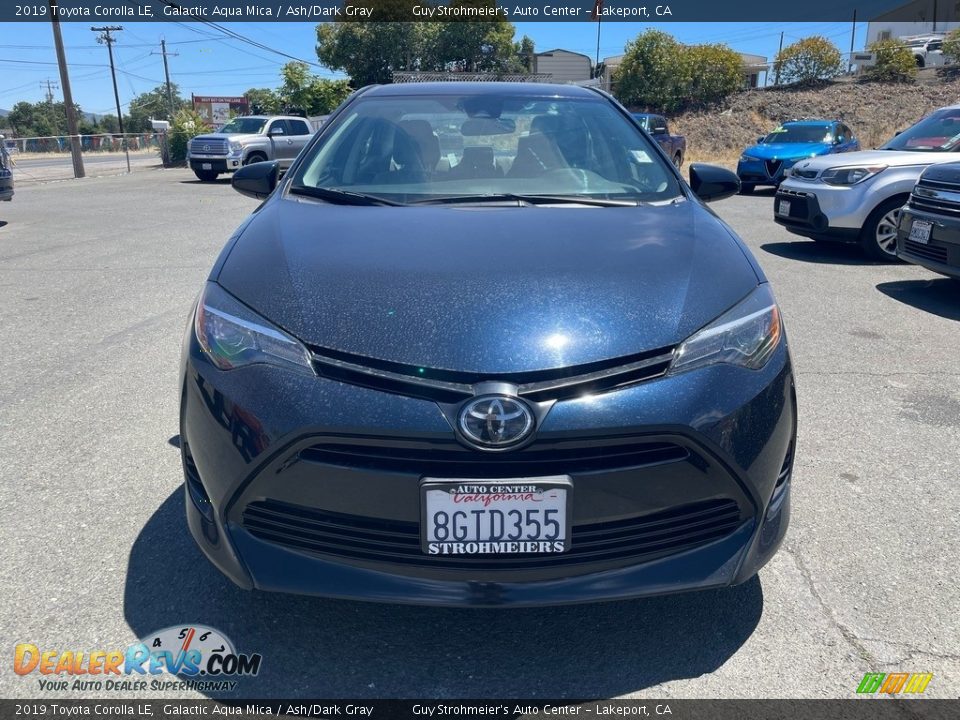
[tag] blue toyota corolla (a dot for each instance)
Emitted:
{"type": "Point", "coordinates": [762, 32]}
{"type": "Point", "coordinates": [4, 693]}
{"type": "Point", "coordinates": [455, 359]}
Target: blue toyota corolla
{"type": "Point", "coordinates": [531, 368]}
{"type": "Point", "coordinates": [767, 162]}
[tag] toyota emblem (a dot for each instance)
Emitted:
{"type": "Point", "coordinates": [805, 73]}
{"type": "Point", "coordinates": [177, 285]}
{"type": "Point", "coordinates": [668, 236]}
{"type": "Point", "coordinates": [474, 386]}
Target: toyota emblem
{"type": "Point", "coordinates": [206, 148]}
{"type": "Point", "coordinates": [495, 422]}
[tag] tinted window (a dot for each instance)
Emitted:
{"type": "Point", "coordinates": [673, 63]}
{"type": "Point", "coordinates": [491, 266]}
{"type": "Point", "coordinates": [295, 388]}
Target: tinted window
{"type": "Point", "coordinates": [800, 134]}
{"type": "Point", "coordinates": [298, 127]}
{"type": "Point", "coordinates": [244, 125]}
{"type": "Point", "coordinates": [423, 146]}
{"type": "Point", "coordinates": [939, 132]}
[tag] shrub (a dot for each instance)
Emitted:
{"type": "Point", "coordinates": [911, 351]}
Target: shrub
{"type": "Point", "coordinates": [186, 124]}
{"type": "Point", "coordinates": [895, 63]}
{"type": "Point", "coordinates": [807, 61]}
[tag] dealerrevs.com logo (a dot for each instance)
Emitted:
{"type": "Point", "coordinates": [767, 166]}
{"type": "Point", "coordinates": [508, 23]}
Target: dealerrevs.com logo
{"type": "Point", "coordinates": [201, 658]}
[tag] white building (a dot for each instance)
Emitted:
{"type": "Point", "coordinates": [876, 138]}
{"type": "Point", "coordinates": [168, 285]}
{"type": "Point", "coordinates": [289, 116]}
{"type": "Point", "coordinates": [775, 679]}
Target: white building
{"type": "Point", "coordinates": [563, 66]}
{"type": "Point", "coordinates": [920, 17]}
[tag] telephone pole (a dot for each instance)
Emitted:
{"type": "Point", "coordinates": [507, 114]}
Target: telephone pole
{"type": "Point", "coordinates": [166, 72]}
{"type": "Point", "coordinates": [105, 38]}
{"type": "Point", "coordinates": [50, 85]}
{"type": "Point", "coordinates": [75, 153]}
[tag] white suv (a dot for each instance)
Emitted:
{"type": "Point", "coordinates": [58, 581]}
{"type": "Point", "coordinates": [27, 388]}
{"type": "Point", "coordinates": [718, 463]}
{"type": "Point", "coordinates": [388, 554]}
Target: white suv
{"type": "Point", "coordinates": [856, 197]}
{"type": "Point", "coordinates": [927, 50]}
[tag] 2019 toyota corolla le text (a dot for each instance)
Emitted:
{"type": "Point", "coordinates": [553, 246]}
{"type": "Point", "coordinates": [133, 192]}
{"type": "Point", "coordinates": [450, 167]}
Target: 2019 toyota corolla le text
{"type": "Point", "coordinates": [482, 345]}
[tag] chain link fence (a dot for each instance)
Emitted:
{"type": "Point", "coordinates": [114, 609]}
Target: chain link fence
{"type": "Point", "coordinates": [40, 159]}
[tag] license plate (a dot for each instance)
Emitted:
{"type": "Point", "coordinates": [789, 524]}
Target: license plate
{"type": "Point", "coordinates": [495, 517]}
{"type": "Point", "coordinates": [783, 208]}
{"type": "Point", "coordinates": [206, 166]}
{"type": "Point", "coordinates": [920, 231]}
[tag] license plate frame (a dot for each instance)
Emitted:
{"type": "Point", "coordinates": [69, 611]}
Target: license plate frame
{"type": "Point", "coordinates": [920, 231]}
{"type": "Point", "coordinates": [206, 166]}
{"type": "Point", "coordinates": [783, 208]}
{"type": "Point", "coordinates": [503, 546]}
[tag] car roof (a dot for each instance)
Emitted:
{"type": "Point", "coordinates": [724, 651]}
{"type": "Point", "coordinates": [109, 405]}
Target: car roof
{"type": "Point", "coordinates": [810, 122]}
{"type": "Point", "coordinates": [481, 88]}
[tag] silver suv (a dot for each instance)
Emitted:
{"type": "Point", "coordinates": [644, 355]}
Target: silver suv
{"type": "Point", "coordinates": [246, 140]}
{"type": "Point", "coordinates": [856, 197]}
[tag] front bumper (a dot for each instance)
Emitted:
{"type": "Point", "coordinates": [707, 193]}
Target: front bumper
{"type": "Point", "coordinates": [217, 163]}
{"type": "Point", "coordinates": [805, 217]}
{"type": "Point", "coordinates": [679, 483]}
{"type": "Point", "coordinates": [941, 253]}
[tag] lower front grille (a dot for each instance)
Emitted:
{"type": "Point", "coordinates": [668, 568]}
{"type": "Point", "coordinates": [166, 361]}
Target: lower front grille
{"type": "Point", "coordinates": [773, 167]}
{"type": "Point", "coordinates": [929, 252]}
{"type": "Point", "coordinates": [359, 538]}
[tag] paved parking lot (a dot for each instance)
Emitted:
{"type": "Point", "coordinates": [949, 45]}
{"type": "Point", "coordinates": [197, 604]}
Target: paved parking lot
{"type": "Point", "coordinates": [96, 280]}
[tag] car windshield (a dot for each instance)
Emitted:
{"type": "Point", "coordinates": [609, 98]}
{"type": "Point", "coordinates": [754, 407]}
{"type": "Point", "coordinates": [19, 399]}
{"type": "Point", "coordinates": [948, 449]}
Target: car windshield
{"type": "Point", "coordinates": [799, 134]}
{"type": "Point", "coordinates": [644, 120]}
{"type": "Point", "coordinates": [244, 125]}
{"type": "Point", "coordinates": [486, 145]}
{"type": "Point", "coordinates": [939, 132]}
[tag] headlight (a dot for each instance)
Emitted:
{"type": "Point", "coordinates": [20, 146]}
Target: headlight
{"type": "Point", "coordinates": [850, 175]}
{"type": "Point", "coordinates": [232, 335]}
{"type": "Point", "coordinates": [746, 158]}
{"type": "Point", "coordinates": [745, 335]}
{"type": "Point", "coordinates": [236, 147]}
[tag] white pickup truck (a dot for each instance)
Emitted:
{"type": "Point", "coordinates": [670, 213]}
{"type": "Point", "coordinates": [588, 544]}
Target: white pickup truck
{"type": "Point", "coordinates": [246, 140]}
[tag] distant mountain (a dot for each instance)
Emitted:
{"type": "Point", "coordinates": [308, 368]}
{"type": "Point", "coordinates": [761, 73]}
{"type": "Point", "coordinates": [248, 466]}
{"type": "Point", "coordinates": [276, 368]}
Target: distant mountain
{"type": "Point", "coordinates": [4, 113]}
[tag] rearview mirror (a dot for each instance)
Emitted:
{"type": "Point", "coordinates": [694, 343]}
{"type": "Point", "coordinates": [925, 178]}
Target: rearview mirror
{"type": "Point", "coordinates": [710, 182]}
{"type": "Point", "coordinates": [256, 180]}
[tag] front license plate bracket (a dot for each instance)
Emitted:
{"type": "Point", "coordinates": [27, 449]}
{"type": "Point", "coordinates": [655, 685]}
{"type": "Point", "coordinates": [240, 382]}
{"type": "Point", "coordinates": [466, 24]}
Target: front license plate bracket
{"type": "Point", "coordinates": [483, 517]}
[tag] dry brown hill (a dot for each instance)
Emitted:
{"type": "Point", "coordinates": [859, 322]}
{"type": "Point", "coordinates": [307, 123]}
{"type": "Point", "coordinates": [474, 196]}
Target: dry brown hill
{"type": "Point", "coordinates": [873, 111]}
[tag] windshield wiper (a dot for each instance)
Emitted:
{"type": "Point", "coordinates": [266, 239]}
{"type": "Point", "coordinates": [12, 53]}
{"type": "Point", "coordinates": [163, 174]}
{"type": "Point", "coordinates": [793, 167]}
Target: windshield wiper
{"type": "Point", "coordinates": [530, 200]}
{"type": "Point", "coordinates": [341, 197]}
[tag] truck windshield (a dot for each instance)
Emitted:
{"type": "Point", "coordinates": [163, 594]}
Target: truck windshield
{"type": "Point", "coordinates": [939, 132]}
{"type": "Point", "coordinates": [244, 126]}
{"type": "Point", "coordinates": [416, 148]}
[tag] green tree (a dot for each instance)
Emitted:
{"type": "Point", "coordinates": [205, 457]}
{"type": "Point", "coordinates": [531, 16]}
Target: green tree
{"type": "Point", "coordinates": [152, 104]}
{"type": "Point", "coordinates": [709, 73]}
{"type": "Point", "coordinates": [186, 124]}
{"type": "Point", "coordinates": [264, 101]}
{"type": "Point", "coordinates": [647, 75]}
{"type": "Point", "coordinates": [951, 45]}
{"type": "Point", "coordinates": [474, 46]}
{"type": "Point", "coordinates": [808, 60]}
{"type": "Point", "coordinates": [40, 119]}
{"type": "Point", "coordinates": [308, 93]}
{"type": "Point", "coordinates": [371, 52]}
{"type": "Point", "coordinates": [894, 63]}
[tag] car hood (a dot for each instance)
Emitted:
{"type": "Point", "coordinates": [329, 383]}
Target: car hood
{"type": "Point", "coordinates": [786, 151]}
{"type": "Point", "coordinates": [487, 289]}
{"type": "Point", "coordinates": [235, 137]}
{"type": "Point", "coordinates": [891, 158]}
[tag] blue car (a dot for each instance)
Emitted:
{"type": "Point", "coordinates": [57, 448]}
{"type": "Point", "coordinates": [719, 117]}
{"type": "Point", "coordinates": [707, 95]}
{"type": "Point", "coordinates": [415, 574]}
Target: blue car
{"type": "Point", "coordinates": [767, 162]}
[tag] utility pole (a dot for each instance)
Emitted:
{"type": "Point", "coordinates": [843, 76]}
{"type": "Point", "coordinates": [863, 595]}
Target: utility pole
{"type": "Point", "coordinates": [105, 38]}
{"type": "Point", "coordinates": [75, 152]}
{"type": "Point", "coordinates": [776, 63]}
{"type": "Point", "coordinates": [166, 72]}
{"type": "Point", "coordinates": [853, 35]}
{"type": "Point", "coordinates": [50, 85]}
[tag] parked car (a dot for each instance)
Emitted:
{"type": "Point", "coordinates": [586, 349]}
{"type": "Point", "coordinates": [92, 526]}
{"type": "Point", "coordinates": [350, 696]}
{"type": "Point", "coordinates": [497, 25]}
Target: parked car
{"type": "Point", "coordinates": [246, 140]}
{"type": "Point", "coordinates": [6, 174]}
{"type": "Point", "coordinates": [928, 233]}
{"type": "Point", "coordinates": [856, 198]}
{"type": "Point", "coordinates": [675, 146]}
{"type": "Point", "coordinates": [927, 50]}
{"type": "Point", "coordinates": [460, 381]}
{"type": "Point", "coordinates": [769, 161]}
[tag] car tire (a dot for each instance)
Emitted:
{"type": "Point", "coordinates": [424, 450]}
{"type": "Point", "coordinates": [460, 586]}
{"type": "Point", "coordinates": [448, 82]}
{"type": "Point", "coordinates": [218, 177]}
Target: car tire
{"type": "Point", "coordinates": [254, 157]}
{"type": "Point", "coordinates": [677, 160]}
{"type": "Point", "coordinates": [747, 188]}
{"type": "Point", "coordinates": [206, 175]}
{"type": "Point", "coordinates": [878, 238]}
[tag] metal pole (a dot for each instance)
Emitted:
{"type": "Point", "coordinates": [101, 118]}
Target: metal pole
{"type": "Point", "coordinates": [75, 152]}
{"type": "Point", "coordinates": [776, 63]}
{"type": "Point", "coordinates": [166, 73]}
{"type": "Point", "coordinates": [107, 38]}
{"type": "Point", "coordinates": [853, 35]}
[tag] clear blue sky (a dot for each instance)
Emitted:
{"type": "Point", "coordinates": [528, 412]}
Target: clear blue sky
{"type": "Point", "coordinates": [210, 63]}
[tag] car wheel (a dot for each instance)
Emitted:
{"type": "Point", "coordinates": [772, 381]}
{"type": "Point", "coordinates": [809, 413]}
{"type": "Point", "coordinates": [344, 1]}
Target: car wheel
{"type": "Point", "coordinates": [254, 158]}
{"type": "Point", "coordinates": [747, 188]}
{"type": "Point", "coordinates": [878, 238]}
{"type": "Point", "coordinates": [206, 175]}
{"type": "Point", "coordinates": [677, 161]}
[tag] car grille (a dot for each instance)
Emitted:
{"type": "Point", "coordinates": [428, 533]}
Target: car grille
{"type": "Point", "coordinates": [929, 252]}
{"type": "Point", "coordinates": [544, 458]}
{"type": "Point", "coordinates": [211, 146]}
{"type": "Point", "coordinates": [773, 166]}
{"type": "Point", "coordinates": [361, 538]}
{"type": "Point", "coordinates": [936, 197]}
{"type": "Point", "coordinates": [453, 386]}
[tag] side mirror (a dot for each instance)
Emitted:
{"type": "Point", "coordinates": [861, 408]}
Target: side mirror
{"type": "Point", "coordinates": [710, 182]}
{"type": "Point", "coordinates": [256, 180]}
{"type": "Point", "coordinates": [276, 131]}
{"type": "Point", "coordinates": [661, 130]}
{"type": "Point", "coordinates": [760, 140]}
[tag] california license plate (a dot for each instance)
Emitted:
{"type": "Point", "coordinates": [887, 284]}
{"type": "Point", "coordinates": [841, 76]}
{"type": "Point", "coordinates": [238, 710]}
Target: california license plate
{"type": "Point", "coordinates": [920, 231]}
{"type": "Point", "coordinates": [783, 207]}
{"type": "Point", "coordinates": [495, 517]}
{"type": "Point", "coordinates": [206, 166]}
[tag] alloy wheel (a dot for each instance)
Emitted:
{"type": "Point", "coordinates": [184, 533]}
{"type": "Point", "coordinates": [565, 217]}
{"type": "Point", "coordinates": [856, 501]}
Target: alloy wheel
{"type": "Point", "coordinates": [886, 234]}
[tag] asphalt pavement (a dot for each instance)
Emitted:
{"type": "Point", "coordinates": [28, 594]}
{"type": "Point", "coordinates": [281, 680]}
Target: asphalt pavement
{"type": "Point", "coordinates": [96, 279]}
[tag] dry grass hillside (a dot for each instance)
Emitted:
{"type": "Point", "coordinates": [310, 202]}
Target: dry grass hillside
{"type": "Point", "coordinates": [873, 111]}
